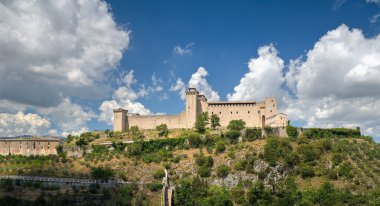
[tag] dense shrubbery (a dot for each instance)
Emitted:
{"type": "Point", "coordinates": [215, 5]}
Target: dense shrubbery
{"type": "Point", "coordinates": [292, 132]}
{"type": "Point", "coordinates": [232, 136]}
{"type": "Point", "coordinates": [194, 140]}
{"type": "Point", "coordinates": [194, 191]}
{"type": "Point", "coordinates": [252, 134]}
{"type": "Point", "coordinates": [205, 163]}
{"type": "Point", "coordinates": [103, 173]}
{"type": "Point", "coordinates": [84, 138]}
{"type": "Point", "coordinates": [314, 133]}
{"type": "Point", "coordinates": [306, 171]}
{"type": "Point", "coordinates": [276, 149]}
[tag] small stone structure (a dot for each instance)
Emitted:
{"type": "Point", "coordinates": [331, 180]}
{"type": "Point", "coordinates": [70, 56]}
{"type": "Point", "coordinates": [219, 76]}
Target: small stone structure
{"type": "Point", "coordinates": [254, 114]}
{"type": "Point", "coordinates": [29, 146]}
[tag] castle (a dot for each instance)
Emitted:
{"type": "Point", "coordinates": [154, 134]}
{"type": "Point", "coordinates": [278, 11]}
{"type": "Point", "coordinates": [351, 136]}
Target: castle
{"type": "Point", "coordinates": [254, 114]}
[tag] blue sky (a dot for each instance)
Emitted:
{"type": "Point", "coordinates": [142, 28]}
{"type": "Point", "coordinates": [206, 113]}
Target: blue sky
{"type": "Point", "coordinates": [223, 37]}
{"type": "Point", "coordinates": [226, 34]}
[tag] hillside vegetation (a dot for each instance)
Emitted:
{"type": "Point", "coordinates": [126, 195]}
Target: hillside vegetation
{"type": "Point", "coordinates": [236, 166]}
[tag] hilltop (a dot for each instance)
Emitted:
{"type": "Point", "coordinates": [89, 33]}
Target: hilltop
{"type": "Point", "coordinates": [225, 166]}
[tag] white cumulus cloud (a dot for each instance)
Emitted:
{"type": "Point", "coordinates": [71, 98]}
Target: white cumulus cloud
{"type": "Point", "coordinates": [21, 124]}
{"type": "Point", "coordinates": [70, 118]}
{"type": "Point", "coordinates": [198, 80]}
{"type": "Point", "coordinates": [263, 79]}
{"type": "Point", "coordinates": [125, 97]}
{"type": "Point", "coordinates": [337, 83]}
{"type": "Point", "coordinates": [52, 49]}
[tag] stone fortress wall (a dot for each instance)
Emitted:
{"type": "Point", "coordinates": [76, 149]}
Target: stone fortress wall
{"type": "Point", "coordinates": [255, 114]}
{"type": "Point", "coordinates": [29, 146]}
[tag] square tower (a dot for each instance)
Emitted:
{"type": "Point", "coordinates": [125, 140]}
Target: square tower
{"type": "Point", "coordinates": [191, 107]}
{"type": "Point", "coordinates": [120, 120]}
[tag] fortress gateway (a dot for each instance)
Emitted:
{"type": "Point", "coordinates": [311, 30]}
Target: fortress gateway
{"type": "Point", "coordinates": [255, 114]}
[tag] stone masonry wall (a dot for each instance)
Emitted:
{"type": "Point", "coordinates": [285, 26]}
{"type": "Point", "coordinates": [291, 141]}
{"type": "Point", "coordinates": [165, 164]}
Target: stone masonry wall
{"type": "Point", "coordinates": [28, 147]}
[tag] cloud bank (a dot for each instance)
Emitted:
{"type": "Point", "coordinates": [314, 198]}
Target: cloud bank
{"type": "Point", "coordinates": [335, 85]}
{"type": "Point", "coordinates": [51, 50]}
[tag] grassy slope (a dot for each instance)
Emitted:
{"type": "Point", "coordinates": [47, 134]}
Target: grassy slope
{"type": "Point", "coordinates": [361, 156]}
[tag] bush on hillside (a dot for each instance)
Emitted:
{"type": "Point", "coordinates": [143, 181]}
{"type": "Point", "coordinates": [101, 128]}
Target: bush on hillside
{"type": "Point", "coordinates": [276, 149]}
{"type": "Point", "coordinates": [103, 173]}
{"type": "Point", "coordinates": [292, 132]}
{"type": "Point", "coordinates": [195, 140]}
{"type": "Point", "coordinates": [222, 171]}
{"type": "Point", "coordinates": [232, 136]}
{"type": "Point", "coordinates": [237, 125]}
{"type": "Point", "coordinates": [306, 171]}
{"type": "Point", "coordinates": [309, 152]}
{"type": "Point", "coordinates": [204, 171]}
{"type": "Point", "coordinates": [159, 174]}
{"type": "Point", "coordinates": [252, 134]}
{"type": "Point", "coordinates": [220, 146]}
{"type": "Point", "coordinates": [163, 130]}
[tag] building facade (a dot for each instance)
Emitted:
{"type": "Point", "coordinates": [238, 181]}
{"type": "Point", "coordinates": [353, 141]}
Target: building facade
{"type": "Point", "coordinates": [29, 146]}
{"type": "Point", "coordinates": [254, 114]}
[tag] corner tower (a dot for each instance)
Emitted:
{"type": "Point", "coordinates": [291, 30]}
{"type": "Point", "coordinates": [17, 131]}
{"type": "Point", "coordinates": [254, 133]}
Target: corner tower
{"type": "Point", "coordinates": [120, 120]}
{"type": "Point", "coordinates": [191, 107]}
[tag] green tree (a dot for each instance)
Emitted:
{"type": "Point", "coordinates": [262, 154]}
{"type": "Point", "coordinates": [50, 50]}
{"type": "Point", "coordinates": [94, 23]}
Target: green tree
{"type": "Point", "coordinates": [70, 138]}
{"type": "Point", "coordinates": [202, 122]}
{"type": "Point", "coordinates": [291, 131]}
{"type": "Point", "coordinates": [215, 121]}
{"type": "Point", "coordinates": [237, 125]}
{"type": "Point", "coordinates": [135, 133]}
{"type": "Point", "coordinates": [222, 171]}
{"type": "Point", "coordinates": [81, 141]}
{"type": "Point", "coordinates": [163, 130]}
{"type": "Point", "coordinates": [217, 196]}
